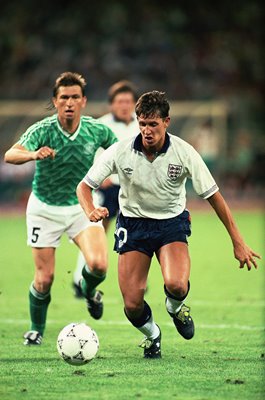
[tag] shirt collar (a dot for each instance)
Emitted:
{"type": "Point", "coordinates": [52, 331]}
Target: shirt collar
{"type": "Point", "coordinates": [137, 145]}
{"type": "Point", "coordinates": [70, 136]}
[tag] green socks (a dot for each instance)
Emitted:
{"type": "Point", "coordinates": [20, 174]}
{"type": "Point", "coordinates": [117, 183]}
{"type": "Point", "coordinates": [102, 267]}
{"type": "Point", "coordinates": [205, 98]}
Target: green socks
{"type": "Point", "coordinates": [90, 282]}
{"type": "Point", "coordinates": [38, 306]}
{"type": "Point", "coordinates": [39, 302]}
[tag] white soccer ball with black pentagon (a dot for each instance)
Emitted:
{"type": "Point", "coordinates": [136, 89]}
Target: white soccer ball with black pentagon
{"type": "Point", "coordinates": [77, 344]}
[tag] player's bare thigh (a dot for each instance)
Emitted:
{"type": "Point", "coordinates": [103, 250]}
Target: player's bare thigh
{"type": "Point", "coordinates": [175, 266]}
{"type": "Point", "coordinates": [133, 267]}
{"type": "Point", "coordinates": [92, 242]}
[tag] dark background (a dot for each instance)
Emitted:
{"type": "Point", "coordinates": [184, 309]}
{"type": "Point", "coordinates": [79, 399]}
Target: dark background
{"type": "Point", "coordinates": [191, 50]}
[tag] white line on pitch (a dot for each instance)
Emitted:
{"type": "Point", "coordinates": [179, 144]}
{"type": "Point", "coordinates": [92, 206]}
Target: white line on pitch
{"type": "Point", "coordinates": [10, 321]}
{"type": "Point", "coordinates": [201, 303]}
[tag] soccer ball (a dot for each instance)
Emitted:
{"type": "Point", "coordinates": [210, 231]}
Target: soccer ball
{"type": "Point", "coordinates": [77, 344]}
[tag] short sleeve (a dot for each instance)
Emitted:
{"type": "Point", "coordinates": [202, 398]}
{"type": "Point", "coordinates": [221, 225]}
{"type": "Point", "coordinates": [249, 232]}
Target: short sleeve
{"type": "Point", "coordinates": [202, 180]}
{"type": "Point", "coordinates": [31, 139]}
{"type": "Point", "coordinates": [103, 167]}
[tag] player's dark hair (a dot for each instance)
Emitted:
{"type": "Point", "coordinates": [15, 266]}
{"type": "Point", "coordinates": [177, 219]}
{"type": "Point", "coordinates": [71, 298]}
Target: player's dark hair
{"type": "Point", "coordinates": [152, 104]}
{"type": "Point", "coordinates": [69, 79]}
{"type": "Point", "coordinates": [122, 87]}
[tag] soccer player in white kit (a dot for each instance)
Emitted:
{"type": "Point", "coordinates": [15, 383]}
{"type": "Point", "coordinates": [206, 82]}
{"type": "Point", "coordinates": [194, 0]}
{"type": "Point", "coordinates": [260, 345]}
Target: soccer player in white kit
{"type": "Point", "coordinates": [153, 169]}
{"type": "Point", "coordinates": [63, 146]}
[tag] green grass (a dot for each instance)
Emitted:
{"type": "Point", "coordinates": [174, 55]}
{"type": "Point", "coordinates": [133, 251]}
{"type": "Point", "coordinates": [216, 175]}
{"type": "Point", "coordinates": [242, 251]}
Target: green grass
{"type": "Point", "coordinates": [225, 360]}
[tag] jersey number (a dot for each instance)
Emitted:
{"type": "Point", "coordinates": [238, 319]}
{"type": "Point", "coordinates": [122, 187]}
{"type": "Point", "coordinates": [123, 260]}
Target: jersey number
{"type": "Point", "coordinates": [122, 235]}
{"type": "Point", "coordinates": [35, 235]}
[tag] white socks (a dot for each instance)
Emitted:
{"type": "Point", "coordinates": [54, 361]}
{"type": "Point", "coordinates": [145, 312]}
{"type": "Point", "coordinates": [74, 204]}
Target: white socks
{"type": "Point", "coordinates": [150, 329]}
{"type": "Point", "coordinates": [173, 305]}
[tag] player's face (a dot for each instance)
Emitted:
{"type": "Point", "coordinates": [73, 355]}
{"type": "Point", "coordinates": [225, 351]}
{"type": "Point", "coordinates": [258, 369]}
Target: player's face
{"type": "Point", "coordinates": [153, 131]}
{"type": "Point", "coordinates": [122, 106]}
{"type": "Point", "coordinates": [69, 103]}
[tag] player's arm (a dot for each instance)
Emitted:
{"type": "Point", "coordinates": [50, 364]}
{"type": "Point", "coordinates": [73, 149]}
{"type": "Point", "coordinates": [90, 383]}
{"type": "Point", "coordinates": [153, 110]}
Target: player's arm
{"type": "Point", "coordinates": [18, 154]}
{"type": "Point", "coordinates": [242, 252]}
{"type": "Point", "coordinates": [84, 194]}
{"type": "Point", "coordinates": [100, 170]}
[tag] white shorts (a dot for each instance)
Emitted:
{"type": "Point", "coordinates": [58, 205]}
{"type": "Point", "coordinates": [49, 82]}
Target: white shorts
{"type": "Point", "coordinates": [46, 224]}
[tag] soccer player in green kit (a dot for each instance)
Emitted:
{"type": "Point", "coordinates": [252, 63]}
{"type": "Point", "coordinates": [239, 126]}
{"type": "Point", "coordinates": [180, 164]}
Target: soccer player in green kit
{"type": "Point", "coordinates": [63, 146]}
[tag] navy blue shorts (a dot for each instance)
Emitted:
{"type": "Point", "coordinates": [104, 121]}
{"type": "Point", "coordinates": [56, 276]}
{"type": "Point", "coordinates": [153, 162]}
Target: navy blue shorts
{"type": "Point", "coordinates": [109, 198]}
{"type": "Point", "coordinates": [149, 235]}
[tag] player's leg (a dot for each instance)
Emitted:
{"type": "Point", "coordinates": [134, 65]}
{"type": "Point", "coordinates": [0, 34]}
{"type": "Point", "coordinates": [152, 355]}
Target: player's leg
{"type": "Point", "coordinates": [78, 273]}
{"type": "Point", "coordinates": [39, 293]}
{"type": "Point", "coordinates": [133, 267]}
{"type": "Point", "coordinates": [81, 262]}
{"type": "Point", "coordinates": [108, 198]}
{"type": "Point", "coordinates": [175, 265]}
{"type": "Point", "coordinates": [44, 229]}
{"type": "Point", "coordinates": [93, 244]}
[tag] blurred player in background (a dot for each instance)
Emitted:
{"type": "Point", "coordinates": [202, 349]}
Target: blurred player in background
{"type": "Point", "coordinates": [153, 169]}
{"type": "Point", "coordinates": [121, 119]}
{"type": "Point", "coordinates": [63, 145]}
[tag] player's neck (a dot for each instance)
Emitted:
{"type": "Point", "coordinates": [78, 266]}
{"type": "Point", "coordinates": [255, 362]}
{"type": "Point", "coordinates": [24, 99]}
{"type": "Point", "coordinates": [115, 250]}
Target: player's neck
{"type": "Point", "coordinates": [150, 152]}
{"type": "Point", "coordinates": [69, 125]}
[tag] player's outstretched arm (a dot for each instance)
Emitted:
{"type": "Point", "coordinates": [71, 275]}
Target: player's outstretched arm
{"type": "Point", "coordinates": [243, 253]}
{"type": "Point", "coordinates": [18, 154]}
{"type": "Point", "coordinates": [84, 194]}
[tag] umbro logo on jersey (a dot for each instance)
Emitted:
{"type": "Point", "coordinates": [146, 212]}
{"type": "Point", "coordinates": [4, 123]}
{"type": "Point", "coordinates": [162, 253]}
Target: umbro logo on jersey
{"type": "Point", "coordinates": [128, 171]}
{"type": "Point", "coordinates": [174, 171]}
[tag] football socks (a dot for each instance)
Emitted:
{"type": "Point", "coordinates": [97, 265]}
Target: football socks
{"type": "Point", "coordinates": [173, 304]}
{"type": "Point", "coordinates": [90, 282]}
{"type": "Point", "coordinates": [145, 323]}
{"type": "Point", "coordinates": [38, 306]}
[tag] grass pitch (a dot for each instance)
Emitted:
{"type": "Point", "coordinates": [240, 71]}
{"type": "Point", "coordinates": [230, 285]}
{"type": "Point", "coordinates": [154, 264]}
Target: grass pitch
{"type": "Point", "coordinates": [225, 360]}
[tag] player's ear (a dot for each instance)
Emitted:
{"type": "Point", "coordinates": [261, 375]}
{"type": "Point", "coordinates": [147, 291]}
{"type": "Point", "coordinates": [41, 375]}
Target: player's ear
{"type": "Point", "coordinates": [167, 121]}
{"type": "Point", "coordinates": [84, 101]}
{"type": "Point", "coordinates": [54, 102]}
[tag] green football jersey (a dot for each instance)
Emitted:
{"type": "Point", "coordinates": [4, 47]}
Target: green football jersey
{"type": "Point", "coordinates": [55, 181]}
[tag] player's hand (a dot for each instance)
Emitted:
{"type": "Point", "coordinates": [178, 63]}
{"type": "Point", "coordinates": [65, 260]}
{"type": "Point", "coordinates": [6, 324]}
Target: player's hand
{"type": "Point", "coordinates": [44, 152]}
{"type": "Point", "coordinates": [98, 214]}
{"type": "Point", "coordinates": [245, 255]}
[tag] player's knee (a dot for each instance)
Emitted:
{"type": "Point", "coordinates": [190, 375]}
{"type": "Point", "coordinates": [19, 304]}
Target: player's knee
{"type": "Point", "coordinates": [98, 269]}
{"type": "Point", "coordinates": [178, 289]}
{"type": "Point", "coordinates": [98, 265]}
{"type": "Point", "coordinates": [43, 282]}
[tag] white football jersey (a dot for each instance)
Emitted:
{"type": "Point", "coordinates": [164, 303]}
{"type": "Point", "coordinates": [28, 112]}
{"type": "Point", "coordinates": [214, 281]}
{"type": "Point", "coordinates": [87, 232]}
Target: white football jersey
{"type": "Point", "coordinates": [153, 189]}
{"type": "Point", "coordinates": [121, 130]}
